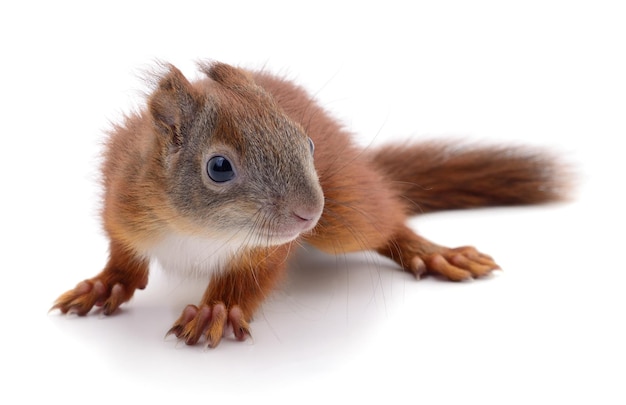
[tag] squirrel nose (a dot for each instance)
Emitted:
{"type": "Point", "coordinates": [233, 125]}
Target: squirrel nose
{"type": "Point", "coordinates": [305, 215]}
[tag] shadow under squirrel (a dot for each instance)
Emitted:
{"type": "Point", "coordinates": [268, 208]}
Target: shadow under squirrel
{"type": "Point", "coordinates": [228, 175]}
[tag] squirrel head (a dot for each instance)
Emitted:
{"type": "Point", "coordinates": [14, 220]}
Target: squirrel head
{"type": "Point", "coordinates": [232, 162]}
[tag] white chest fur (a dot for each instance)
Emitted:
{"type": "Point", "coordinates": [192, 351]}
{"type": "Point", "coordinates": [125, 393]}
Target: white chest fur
{"type": "Point", "coordinates": [191, 255]}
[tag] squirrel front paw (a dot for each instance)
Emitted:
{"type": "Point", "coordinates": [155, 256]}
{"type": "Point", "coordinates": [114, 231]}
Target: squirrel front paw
{"type": "Point", "coordinates": [116, 284]}
{"type": "Point", "coordinates": [100, 291]}
{"type": "Point", "coordinates": [210, 322]}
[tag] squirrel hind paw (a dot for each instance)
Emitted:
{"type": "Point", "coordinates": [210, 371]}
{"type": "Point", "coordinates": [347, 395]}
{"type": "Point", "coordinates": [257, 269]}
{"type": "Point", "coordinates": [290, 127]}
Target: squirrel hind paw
{"type": "Point", "coordinates": [461, 264]}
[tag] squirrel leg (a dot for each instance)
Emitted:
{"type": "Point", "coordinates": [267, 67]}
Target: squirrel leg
{"type": "Point", "coordinates": [232, 297]}
{"type": "Point", "coordinates": [116, 284]}
{"type": "Point", "coordinates": [420, 256]}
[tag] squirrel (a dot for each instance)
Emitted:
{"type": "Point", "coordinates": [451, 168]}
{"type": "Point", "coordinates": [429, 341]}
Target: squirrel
{"type": "Point", "coordinates": [227, 175]}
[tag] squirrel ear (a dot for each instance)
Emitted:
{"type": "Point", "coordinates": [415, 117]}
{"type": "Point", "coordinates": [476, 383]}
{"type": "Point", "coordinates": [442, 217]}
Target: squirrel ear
{"type": "Point", "coordinates": [226, 75]}
{"type": "Point", "coordinates": [173, 104]}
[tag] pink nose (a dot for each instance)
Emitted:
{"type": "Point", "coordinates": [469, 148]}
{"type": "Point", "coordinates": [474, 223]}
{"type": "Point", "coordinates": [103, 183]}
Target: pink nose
{"type": "Point", "coordinates": [303, 217]}
{"type": "Point", "coordinates": [306, 217]}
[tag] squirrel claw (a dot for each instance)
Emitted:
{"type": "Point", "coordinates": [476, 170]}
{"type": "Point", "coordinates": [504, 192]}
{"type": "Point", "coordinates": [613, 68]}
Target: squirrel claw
{"type": "Point", "coordinates": [210, 322]}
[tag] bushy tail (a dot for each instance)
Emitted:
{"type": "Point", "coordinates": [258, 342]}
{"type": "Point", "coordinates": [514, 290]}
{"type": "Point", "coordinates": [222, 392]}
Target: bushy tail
{"type": "Point", "coordinates": [437, 176]}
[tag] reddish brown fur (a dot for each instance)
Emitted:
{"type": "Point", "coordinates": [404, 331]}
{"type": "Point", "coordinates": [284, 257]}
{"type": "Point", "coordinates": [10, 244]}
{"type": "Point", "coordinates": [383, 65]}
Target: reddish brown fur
{"type": "Point", "coordinates": [438, 176]}
{"type": "Point", "coordinates": [368, 196]}
{"type": "Point", "coordinates": [362, 210]}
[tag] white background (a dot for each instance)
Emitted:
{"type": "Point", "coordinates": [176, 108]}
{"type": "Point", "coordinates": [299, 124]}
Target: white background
{"type": "Point", "coordinates": [548, 329]}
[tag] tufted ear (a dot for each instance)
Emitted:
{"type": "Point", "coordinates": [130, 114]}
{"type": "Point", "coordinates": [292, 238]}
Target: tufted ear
{"type": "Point", "coordinates": [173, 105]}
{"type": "Point", "coordinates": [226, 75]}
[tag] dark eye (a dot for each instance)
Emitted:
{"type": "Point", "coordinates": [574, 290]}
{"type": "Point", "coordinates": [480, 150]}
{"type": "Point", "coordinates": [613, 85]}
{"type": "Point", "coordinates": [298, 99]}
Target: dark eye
{"type": "Point", "coordinates": [220, 170]}
{"type": "Point", "coordinates": [311, 146]}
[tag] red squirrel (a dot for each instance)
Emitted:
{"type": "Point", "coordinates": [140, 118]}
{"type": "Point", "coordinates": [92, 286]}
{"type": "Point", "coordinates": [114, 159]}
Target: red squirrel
{"type": "Point", "coordinates": [226, 176]}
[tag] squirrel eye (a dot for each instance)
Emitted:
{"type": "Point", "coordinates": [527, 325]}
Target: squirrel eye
{"type": "Point", "coordinates": [220, 170]}
{"type": "Point", "coordinates": [311, 146]}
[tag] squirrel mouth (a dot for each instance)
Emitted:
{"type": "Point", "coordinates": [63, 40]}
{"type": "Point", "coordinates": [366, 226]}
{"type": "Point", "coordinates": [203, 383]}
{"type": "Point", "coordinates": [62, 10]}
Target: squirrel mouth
{"type": "Point", "coordinates": [279, 237]}
{"type": "Point", "coordinates": [289, 232]}
{"type": "Point", "coordinates": [284, 227]}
